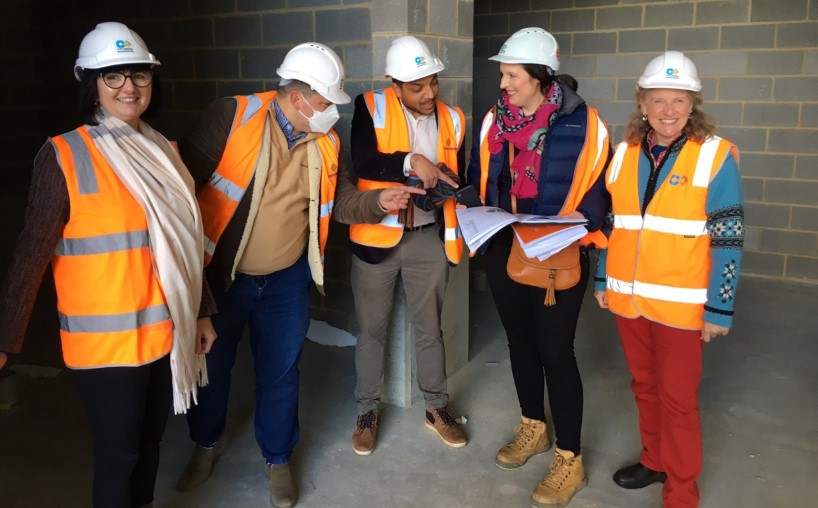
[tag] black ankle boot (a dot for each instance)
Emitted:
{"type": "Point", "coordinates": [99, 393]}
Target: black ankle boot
{"type": "Point", "coordinates": [637, 476]}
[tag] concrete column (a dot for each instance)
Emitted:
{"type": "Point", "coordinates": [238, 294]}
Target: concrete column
{"type": "Point", "coordinates": [446, 26]}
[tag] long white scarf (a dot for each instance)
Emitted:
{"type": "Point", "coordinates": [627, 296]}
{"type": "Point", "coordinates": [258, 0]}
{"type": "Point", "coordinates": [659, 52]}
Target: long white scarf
{"type": "Point", "coordinates": [156, 177]}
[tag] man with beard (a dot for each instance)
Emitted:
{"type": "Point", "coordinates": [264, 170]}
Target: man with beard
{"type": "Point", "coordinates": [404, 135]}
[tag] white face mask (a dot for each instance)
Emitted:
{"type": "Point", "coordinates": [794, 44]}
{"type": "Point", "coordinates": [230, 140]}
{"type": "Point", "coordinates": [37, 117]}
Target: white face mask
{"type": "Point", "coordinates": [321, 121]}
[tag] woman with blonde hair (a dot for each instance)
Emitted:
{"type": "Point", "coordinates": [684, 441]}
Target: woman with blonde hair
{"type": "Point", "coordinates": [671, 267]}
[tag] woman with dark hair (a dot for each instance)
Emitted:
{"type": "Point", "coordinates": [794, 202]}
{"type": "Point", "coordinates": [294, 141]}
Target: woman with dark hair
{"type": "Point", "coordinates": [671, 267]}
{"type": "Point", "coordinates": [113, 208]}
{"type": "Point", "coordinates": [541, 150]}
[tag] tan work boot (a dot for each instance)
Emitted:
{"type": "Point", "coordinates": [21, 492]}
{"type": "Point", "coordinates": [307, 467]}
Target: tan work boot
{"type": "Point", "coordinates": [199, 467]}
{"type": "Point", "coordinates": [565, 478]}
{"type": "Point", "coordinates": [441, 422]}
{"type": "Point", "coordinates": [366, 433]}
{"type": "Point", "coordinates": [531, 438]}
{"type": "Point", "coordinates": [282, 487]}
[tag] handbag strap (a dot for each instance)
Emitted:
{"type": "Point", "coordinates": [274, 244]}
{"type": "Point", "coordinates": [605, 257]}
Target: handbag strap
{"type": "Point", "coordinates": [513, 177]}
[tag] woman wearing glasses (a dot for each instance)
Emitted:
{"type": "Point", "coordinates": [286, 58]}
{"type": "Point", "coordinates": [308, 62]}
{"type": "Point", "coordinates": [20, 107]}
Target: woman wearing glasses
{"type": "Point", "coordinates": [113, 208]}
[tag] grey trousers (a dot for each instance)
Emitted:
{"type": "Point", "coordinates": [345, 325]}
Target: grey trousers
{"type": "Point", "coordinates": [420, 260]}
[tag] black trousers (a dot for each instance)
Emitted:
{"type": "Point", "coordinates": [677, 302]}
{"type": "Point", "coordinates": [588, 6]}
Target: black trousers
{"type": "Point", "coordinates": [128, 409]}
{"type": "Point", "coordinates": [540, 342]}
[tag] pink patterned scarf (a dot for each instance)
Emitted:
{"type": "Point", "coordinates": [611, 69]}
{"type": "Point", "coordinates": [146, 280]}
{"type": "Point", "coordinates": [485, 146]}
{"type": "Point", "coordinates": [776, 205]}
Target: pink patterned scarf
{"type": "Point", "coordinates": [527, 134]}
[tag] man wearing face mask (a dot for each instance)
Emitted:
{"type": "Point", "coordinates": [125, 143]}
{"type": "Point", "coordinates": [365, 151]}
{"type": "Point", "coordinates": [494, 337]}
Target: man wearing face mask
{"type": "Point", "coordinates": [405, 134]}
{"type": "Point", "coordinates": [266, 167]}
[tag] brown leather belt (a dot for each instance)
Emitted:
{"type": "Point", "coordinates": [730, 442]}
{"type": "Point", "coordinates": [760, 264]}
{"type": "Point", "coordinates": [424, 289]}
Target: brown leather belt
{"type": "Point", "coordinates": [418, 228]}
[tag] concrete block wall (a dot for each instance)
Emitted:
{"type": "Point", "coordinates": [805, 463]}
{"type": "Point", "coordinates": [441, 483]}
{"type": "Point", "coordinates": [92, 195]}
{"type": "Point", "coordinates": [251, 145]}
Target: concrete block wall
{"type": "Point", "coordinates": [758, 60]}
{"type": "Point", "coordinates": [38, 45]}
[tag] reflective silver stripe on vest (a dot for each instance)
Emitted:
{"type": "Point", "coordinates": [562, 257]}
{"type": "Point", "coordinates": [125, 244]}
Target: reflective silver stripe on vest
{"type": "Point", "coordinates": [335, 140]}
{"type": "Point", "coordinates": [458, 128]}
{"type": "Point", "coordinates": [686, 227]}
{"type": "Point", "coordinates": [83, 167]}
{"type": "Point", "coordinates": [253, 105]}
{"type": "Point", "coordinates": [658, 291]}
{"type": "Point", "coordinates": [616, 163]}
{"type": "Point", "coordinates": [391, 220]}
{"type": "Point", "coordinates": [601, 136]}
{"type": "Point", "coordinates": [379, 115]}
{"type": "Point", "coordinates": [633, 222]}
{"type": "Point", "coordinates": [114, 322]}
{"type": "Point", "coordinates": [226, 187]}
{"type": "Point", "coordinates": [209, 246]}
{"type": "Point", "coordinates": [326, 209]}
{"type": "Point", "coordinates": [488, 120]}
{"type": "Point", "coordinates": [701, 177]}
{"type": "Point", "coordinates": [661, 224]}
{"type": "Point", "coordinates": [103, 243]}
{"type": "Point", "coordinates": [618, 286]}
{"type": "Point", "coordinates": [670, 293]}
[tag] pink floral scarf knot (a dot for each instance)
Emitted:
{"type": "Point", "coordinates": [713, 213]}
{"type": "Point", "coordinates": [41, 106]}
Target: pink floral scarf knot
{"type": "Point", "coordinates": [527, 134]}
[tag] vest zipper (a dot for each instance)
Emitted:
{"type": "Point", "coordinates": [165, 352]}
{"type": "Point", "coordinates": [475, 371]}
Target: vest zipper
{"type": "Point", "coordinates": [653, 179]}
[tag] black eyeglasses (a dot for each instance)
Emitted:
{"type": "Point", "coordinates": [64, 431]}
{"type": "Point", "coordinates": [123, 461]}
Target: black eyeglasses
{"type": "Point", "coordinates": [117, 80]}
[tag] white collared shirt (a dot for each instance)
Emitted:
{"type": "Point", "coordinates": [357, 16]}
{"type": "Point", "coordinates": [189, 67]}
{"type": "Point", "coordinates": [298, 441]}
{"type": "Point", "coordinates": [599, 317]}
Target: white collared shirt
{"type": "Point", "coordinates": [423, 140]}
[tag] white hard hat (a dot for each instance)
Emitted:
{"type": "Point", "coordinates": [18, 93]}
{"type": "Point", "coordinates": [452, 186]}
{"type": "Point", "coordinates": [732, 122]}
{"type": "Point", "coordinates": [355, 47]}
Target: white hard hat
{"type": "Point", "coordinates": [111, 43]}
{"type": "Point", "coordinates": [671, 70]}
{"type": "Point", "coordinates": [409, 59]}
{"type": "Point", "coordinates": [318, 66]}
{"type": "Point", "coordinates": [530, 46]}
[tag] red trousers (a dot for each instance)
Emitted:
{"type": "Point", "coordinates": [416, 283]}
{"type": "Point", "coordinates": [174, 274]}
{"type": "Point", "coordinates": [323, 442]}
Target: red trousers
{"type": "Point", "coordinates": [666, 366]}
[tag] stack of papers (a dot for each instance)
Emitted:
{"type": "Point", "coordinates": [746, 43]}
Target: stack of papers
{"type": "Point", "coordinates": [542, 241]}
{"type": "Point", "coordinates": [552, 233]}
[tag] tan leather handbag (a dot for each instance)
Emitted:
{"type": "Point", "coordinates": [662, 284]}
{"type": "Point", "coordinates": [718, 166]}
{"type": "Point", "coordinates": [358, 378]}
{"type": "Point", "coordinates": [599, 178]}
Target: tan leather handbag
{"type": "Point", "coordinates": [558, 272]}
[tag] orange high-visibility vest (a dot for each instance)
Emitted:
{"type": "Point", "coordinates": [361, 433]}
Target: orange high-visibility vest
{"type": "Point", "coordinates": [111, 306]}
{"type": "Point", "coordinates": [590, 164]}
{"type": "Point", "coordinates": [392, 134]}
{"type": "Point", "coordinates": [658, 264]}
{"type": "Point", "coordinates": [220, 196]}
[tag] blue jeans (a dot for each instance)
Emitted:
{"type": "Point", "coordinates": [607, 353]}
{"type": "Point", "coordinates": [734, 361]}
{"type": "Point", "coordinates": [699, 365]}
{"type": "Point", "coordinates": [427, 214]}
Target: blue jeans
{"type": "Point", "coordinates": [277, 309]}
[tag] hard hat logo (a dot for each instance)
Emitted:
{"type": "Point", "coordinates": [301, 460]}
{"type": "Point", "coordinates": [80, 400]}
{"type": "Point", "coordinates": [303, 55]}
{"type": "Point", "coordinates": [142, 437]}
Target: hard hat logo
{"type": "Point", "coordinates": [419, 60]}
{"type": "Point", "coordinates": [672, 73]}
{"type": "Point", "coordinates": [123, 46]}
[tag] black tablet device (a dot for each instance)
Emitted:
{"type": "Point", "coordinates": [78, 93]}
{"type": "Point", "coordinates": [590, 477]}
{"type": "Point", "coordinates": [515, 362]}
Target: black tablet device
{"type": "Point", "coordinates": [468, 196]}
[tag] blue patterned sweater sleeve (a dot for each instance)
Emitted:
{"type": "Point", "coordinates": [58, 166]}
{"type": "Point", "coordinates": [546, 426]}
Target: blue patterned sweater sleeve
{"type": "Point", "coordinates": [600, 281]}
{"type": "Point", "coordinates": [725, 225]}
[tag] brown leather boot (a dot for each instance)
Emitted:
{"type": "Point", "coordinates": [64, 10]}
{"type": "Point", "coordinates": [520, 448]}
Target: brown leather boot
{"type": "Point", "coordinates": [565, 478]}
{"type": "Point", "coordinates": [199, 467]}
{"type": "Point", "coordinates": [531, 438]}
{"type": "Point", "coordinates": [282, 487]}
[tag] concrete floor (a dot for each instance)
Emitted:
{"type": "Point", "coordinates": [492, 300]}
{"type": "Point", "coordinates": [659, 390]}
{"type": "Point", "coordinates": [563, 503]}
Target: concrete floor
{"type": "Point", "coordinates": [759, 400]}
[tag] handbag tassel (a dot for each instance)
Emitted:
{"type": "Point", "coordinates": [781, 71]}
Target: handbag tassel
{"type": "Point", "coordinates": [551, 290]}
